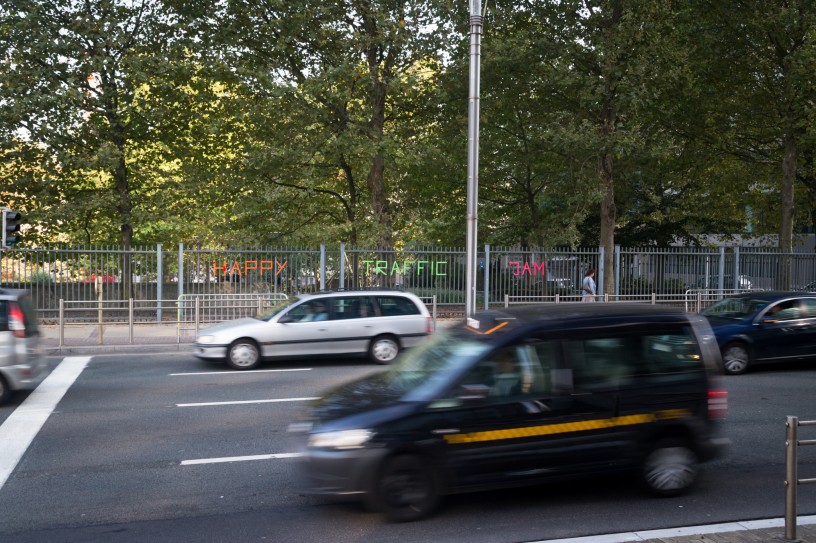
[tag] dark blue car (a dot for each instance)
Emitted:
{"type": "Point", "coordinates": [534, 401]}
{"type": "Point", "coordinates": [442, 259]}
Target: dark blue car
{"type": "Point", "coordinates": [760, 327]}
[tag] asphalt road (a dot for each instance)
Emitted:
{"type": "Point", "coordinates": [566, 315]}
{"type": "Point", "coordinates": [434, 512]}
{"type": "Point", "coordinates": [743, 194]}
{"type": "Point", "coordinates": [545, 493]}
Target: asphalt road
{"type": "Point", "coordinates": [135, 451]}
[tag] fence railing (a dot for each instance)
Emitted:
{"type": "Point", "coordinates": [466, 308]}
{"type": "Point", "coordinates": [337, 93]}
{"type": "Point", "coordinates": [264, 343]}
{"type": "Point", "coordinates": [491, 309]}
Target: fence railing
{"type": "Point", "coordinates": [193, 312]}
{"type": "Point", "coordinates": [693, 301]}
{"type": "Point", "coordinates": [792, 481]}
{"type": "Point", "coordinates": [159, 274]}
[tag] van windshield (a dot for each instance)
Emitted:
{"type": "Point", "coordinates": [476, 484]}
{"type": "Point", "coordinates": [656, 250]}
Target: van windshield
{"type": "Point", "coordinates": [422, 372]}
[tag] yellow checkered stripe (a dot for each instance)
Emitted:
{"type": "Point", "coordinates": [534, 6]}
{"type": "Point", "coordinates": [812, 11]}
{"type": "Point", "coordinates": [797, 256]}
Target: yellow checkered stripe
{"type": "Point", "coordinates": [566, 427]}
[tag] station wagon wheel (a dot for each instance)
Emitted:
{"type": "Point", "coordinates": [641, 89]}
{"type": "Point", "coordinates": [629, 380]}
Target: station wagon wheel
{"type": "Point", "coordinates": [406, 489]}
{"type": "Point", "coordinates": [243, 354]}
{"type": "Point", "coordinates": [670, 468]}
{"type": "Point", "coordinates": [735, 359]}
{"type": "Point", "coordinates": [383, 349]}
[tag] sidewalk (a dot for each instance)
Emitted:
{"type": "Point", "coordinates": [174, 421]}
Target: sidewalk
{"type": "Point", "coordinates": [753, 531]}
{"type": "Point", "coordinates": [89, 339]}
{"type": "Point", "coordinates": [85, 339]}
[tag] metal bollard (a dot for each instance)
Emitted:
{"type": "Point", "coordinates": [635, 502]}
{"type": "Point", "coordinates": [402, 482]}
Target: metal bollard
{"type": "Point", "coordinates": [792, 481]}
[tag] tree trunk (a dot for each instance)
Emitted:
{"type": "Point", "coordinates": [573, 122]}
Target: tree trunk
{"type": "Point", "coordinates": [789, 161]}
{"type": "Point", "coordinates": [608, 212]}
{"type": "Point", "coordinates": [125, 209]}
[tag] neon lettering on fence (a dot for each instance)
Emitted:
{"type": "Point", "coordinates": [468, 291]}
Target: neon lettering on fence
{"type": "Point", "coordinates": [249, 265]}
{"type": "Point", "coordinates": [380, 267]}
{"type": "Point", "coordinates": [537, 268]}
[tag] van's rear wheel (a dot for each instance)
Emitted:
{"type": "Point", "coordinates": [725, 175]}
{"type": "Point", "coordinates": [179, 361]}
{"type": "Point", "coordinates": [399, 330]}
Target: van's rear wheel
{"type": "Point", "coordinates": [406, 489]}
{"type": "Point", "coordinates": [243, 354]}
{"type": "Point", "coordinates": [383, 349]}
{"type": "Point", "coordinates": [670, 468]}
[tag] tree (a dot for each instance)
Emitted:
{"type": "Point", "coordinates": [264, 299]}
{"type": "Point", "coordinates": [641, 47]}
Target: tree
{"type": "Point", "coordinates": [326, 82]}
{"type": "Point", "coordinates": [92, 88]}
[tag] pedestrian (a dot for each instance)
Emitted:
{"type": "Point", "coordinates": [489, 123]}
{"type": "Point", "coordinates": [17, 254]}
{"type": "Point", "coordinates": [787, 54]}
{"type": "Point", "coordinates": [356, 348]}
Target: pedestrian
{"type": "Point", "coordinates": [588, 286]}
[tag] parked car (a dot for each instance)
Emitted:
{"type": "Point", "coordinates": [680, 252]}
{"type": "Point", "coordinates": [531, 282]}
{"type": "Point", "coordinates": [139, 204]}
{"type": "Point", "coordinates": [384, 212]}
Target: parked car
{"type": "Point", "coordinates": [744, 282]}
{"type": "Point", "coordinates": [523, 396]}
{"type": "Point", "coordinates": [22, 364]}
{"type": "Point", "coordinates": [810, 287]}
{"type": "Point", "coordinates": [761, 327]}
{"type": "Point", "coordinates": [379, 323]}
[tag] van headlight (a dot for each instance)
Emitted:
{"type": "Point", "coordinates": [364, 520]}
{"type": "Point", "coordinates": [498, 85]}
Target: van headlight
{"type": "Point", "coordinates": [205, 339]}
{"type": "Point", "coordinates": [344, 439]}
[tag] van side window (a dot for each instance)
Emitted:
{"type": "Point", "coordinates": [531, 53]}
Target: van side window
{"type": "Point", "coordinates": [672, 356]}
{"type": "Point", "coordinates": [514, 372]}
{"type": "Point", "coordinates": [601, 363]}
{"type": "Point", "coordinates": [391, 306]}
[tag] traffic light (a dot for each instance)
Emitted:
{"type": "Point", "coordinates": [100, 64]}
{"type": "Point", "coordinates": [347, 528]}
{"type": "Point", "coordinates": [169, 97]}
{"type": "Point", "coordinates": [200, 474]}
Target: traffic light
{"type": "Point", "coordinates": [11, 227]}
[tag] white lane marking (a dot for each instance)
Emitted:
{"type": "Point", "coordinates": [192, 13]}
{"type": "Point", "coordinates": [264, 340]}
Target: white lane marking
{"type": "Point", "coordinates": [241, 402]}
{"type": "Point", "coordinates": [241, 372]}
{"type": "Point", "coordinates": [648, 535]}
{"type": "Point", "coordinates": [239, 458]}
{"type": "Point", "coordinates": [20, 428]}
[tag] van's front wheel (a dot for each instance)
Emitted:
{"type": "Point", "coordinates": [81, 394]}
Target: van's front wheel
{"type": "Point", "coordinates": [406, 489]}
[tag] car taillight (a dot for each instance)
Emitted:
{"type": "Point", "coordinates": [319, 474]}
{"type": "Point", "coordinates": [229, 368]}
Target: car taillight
{"type": "Point", "coordinates": [16, 321]}
{"type": "Point", "coordinates": [428, 325]}
{"type": "Point", "coordinates": [717, 404]}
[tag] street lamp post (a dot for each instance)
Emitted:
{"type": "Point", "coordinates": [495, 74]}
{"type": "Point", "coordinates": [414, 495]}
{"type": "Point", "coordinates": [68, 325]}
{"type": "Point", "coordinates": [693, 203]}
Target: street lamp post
{"type": "Point", "coordinates": [473, 157]}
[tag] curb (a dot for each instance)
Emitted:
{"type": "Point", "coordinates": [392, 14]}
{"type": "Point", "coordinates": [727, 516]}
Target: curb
{"type": "Point", "coordinates": [120, 349]}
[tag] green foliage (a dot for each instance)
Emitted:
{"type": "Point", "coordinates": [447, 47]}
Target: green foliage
{"type": "Point", "coordinates": [300, 122]}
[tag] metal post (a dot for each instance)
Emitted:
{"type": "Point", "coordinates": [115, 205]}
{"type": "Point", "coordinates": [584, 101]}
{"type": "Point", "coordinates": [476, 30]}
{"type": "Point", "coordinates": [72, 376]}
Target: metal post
{"type": "Point", "coordinates": [159, 281]}
{"type": "Point", "coordinates": [61, 323]}
{"type": "Point", "coordinates": [617, 270]}
{"type": "Point", "coordinates": [487, 277]}
{"type": "Point", "coordinates": [342, 265]}
{"type": "Point", "coordinates": [721, 269]}
{"type": "Point", "coordinates": [130, 321]}
{"type": "Point", "coordinates": [322, 266]}
{"type": "Point", "coordinates": [434, 312]}
{"type": "Point", "coordinates": [180, 283]}
{"type": "Point", "coordinates": [791, 476]}
{"type": "Point", "coordinates": [197, 314]}
{"type": "Point", "coordinates": [473, 157]}
{"type": "Point", "coordinates": [736, 268]}
{"type": "Point", "coordinates": [100, 302]}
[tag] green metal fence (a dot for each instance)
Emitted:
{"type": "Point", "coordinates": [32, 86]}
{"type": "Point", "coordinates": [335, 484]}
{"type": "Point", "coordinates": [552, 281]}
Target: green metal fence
{"type": "Point", "coordinates": [163, 280]}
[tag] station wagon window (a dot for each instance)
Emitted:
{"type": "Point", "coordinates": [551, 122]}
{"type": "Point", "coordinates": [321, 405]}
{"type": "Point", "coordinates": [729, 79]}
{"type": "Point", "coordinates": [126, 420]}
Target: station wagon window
{"type": "Point", "coordinates": [353, 307]}
{"type": "Point", "coordinates": [313, 310]}
{"type": "Point", "coordinates": [391, 306]}
{"type": "Point", "coordinates": [622, 360]}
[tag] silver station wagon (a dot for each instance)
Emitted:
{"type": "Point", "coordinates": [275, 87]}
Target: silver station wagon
{"type": "Point", "coordinates": [376, 323]}
{"type": "Point", "coordinates": [22, 364]}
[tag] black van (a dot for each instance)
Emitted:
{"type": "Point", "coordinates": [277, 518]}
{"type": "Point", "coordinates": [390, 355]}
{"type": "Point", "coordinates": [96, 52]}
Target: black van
{"type": "Point", "coordinates": [523, 396]}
